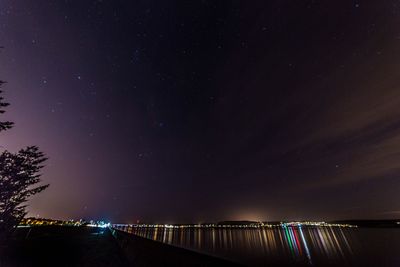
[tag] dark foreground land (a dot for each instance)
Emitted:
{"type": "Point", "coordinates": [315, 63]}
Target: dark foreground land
{"type": "Point", "coordinates": [87, 246]}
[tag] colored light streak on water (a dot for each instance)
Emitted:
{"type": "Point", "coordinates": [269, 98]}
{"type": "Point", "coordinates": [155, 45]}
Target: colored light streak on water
{"type": "Point", "coordinates": [289, 240]}
{"type": "Point", "coordinates": [326, 242]}
{"type": "Point", "coordinates": [318, 243]}
{"type": "Point", "coordinates": [293, 241]}
{"type": "Point", "coordinates": [329, 242]}
{"type": "Point", "coordinates": [345, 241]}
{"type": "Point", "coordinates": [297, 241]}
{"type": "Point", "coordinates": [305, 245]}
{"type": "Point", "coordinates": [281, 238]}
{"type": "Point", "coordinates": [335, 242]}
{"type": "Point", "coordinates": [321, 238]}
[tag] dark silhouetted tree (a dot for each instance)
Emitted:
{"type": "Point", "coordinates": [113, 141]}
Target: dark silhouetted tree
{"type": "Point", "coordinates": [19, 180]}
{"type": "Point", "coordinates": [4, 125]}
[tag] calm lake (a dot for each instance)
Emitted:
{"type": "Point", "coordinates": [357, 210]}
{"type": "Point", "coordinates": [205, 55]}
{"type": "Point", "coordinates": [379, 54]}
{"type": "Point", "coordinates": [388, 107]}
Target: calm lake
{"type": "Point", "coordinates": [287, 246]}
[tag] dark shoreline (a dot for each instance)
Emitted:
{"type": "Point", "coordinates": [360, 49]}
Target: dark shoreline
{"type": "Point", "coordinates": [92, 246]}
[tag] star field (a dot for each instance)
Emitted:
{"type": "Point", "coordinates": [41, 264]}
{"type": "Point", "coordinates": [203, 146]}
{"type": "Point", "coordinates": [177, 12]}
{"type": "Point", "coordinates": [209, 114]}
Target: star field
{"type": "Point", "coordinates": [203, 110]}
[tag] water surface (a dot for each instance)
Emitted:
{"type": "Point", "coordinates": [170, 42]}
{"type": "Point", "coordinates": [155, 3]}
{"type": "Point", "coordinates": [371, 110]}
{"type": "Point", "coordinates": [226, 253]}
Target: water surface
{"type": "Point", "coordinates": [286, 245]}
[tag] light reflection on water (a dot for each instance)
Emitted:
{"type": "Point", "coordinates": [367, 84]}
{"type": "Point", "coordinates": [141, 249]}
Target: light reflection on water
{"type": "Point", "coordinates": [309, 246]}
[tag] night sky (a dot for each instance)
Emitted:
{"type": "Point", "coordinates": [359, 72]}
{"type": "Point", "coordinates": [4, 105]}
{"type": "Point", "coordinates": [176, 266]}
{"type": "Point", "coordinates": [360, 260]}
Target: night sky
{"type": "Point", "coordinates": [194, 111]}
